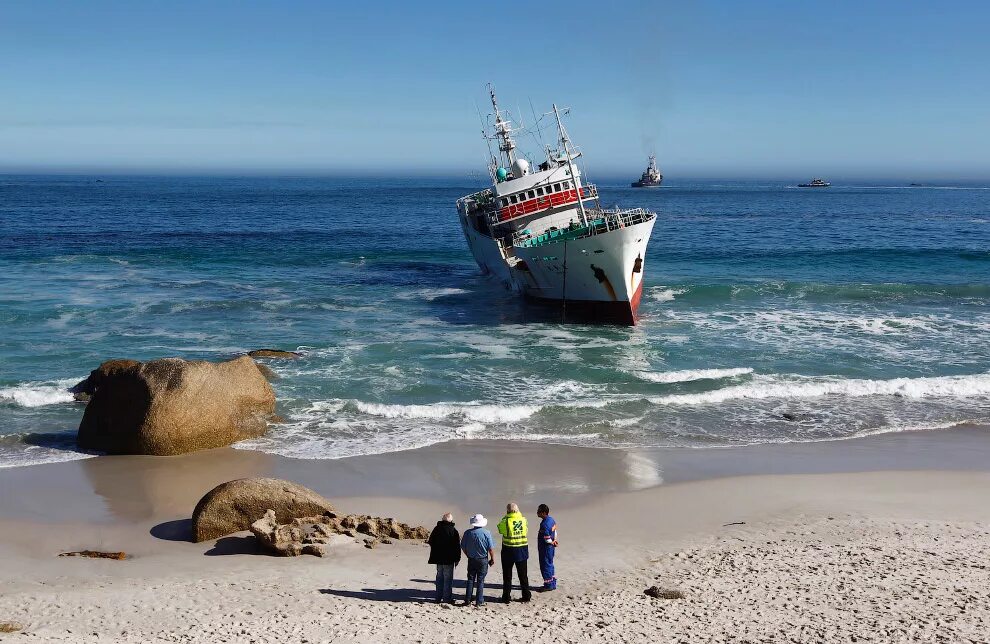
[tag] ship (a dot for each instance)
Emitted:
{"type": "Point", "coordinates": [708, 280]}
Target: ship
{"type": "Point", "coordinates": [542, 231]}
{"type": "Point", "coordinates": [815, 183]}
{"type": "Point", "coordinates": [651, 176]}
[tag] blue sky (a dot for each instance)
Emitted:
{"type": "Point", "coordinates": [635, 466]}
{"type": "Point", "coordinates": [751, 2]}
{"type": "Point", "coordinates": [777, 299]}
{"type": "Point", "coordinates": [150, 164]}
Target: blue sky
{"type": "Point", "coordinates": [730, 89]}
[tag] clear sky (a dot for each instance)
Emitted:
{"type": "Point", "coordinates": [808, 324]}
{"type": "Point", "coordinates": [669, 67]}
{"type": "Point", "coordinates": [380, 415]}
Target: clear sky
{"type": "Point", "coordinates": [731, 88]}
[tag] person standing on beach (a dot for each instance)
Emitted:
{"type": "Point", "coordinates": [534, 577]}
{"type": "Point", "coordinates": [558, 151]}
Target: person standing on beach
{"type": "Point", "coordinates": [515, 551]}
{"type": "Point", "coordinates": [479, 547]}
{"type": "Point", "coordinates": [546, 545]}
{"type": "Point", "coordinates": [445, 553]}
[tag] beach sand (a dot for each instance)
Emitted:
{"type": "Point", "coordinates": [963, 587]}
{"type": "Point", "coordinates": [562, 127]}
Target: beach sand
{"type": "Point", "coordinates": [881, 539]}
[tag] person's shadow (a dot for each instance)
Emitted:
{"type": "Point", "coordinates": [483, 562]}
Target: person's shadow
{"type": "Point", "coordinates": [424, 594]}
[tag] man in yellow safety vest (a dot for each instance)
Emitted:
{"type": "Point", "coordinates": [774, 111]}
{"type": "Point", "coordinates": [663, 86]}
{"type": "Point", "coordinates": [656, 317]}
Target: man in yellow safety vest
{"type": "Point", "coordinates": [515, 551]}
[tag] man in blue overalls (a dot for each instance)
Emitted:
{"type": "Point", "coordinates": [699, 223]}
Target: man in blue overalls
{"type": "Point", "coordinates": [546, 542]}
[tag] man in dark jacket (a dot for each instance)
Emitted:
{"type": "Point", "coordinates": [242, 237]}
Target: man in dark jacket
{"type": "Point", "coordinates": [445, 552]}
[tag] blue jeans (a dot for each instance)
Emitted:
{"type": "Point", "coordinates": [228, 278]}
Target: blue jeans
{"type": "Point", "coordinates": [445, 582]}
{"type": "Point", "coordinates": [476, 571]}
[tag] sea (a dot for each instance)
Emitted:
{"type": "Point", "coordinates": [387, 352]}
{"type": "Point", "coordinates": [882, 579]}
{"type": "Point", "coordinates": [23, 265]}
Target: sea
{"type": "Point", "coordinates": [771, 313]}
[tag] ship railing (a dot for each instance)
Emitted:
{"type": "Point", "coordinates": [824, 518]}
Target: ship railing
{"type": "Point", "coordinates": [622, 217]}
{"type": "Point", "coordinates": [602, 221]}
{"type": "Point", "coordinates": [481, 200]}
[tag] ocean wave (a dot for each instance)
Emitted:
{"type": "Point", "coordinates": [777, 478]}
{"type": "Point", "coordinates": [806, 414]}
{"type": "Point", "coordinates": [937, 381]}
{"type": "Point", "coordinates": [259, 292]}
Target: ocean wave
{"type": "Point", "coordinates": [661, 294]}
{"type": "Point", "coordinates": [775, 388]}
{"type": "Point", "coordinates": [430, 294]}
{"type": "Point", "coordinates": [38, 394]}
{"type": "Point", "coordinates": [39, 456]}
{"type": "Point", "coordinates": [714, 293]}
{"type": "Point", "coordinates": [17, 450]}
{"type": "Point", "coordinates": [689, 375]}
{"type": "Point", "coordinates": [472, 412]}
{"type": "Point", "coordinates": [924, 337]}
{"type": "Point", "coordinates": [913, 427]}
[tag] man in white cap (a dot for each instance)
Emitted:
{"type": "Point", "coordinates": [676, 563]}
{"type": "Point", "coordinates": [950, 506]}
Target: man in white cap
{"type": "Point", "coordinates": [479, 547]}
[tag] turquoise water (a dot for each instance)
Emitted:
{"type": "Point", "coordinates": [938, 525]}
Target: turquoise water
{"type": "Point", "coordinates": [770, 313]}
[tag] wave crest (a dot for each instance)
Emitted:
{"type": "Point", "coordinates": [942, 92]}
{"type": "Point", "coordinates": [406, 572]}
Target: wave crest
{"type": "Point", "coordinates": [472, 412]}
{"type": "Point", "coordinates": [926, 387]}
{"type": "Point", "coordinates": [38, 394]}
{"type": "Point", "coordinates": [689, 375]}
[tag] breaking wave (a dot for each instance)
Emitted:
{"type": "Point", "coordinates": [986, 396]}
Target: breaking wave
{"type": "Point", "coordinates": [773, 387]}
{"type": "Point", "coordinates": [872, 293]}
{"type": "Point", "coordinates": [38, 394]}
{"type": "Point", "coordinates": [666, 294]}
{"type": "Point", "coordinates": [472, 412]}
{"type": "Point", "coordinates": [690, 375]}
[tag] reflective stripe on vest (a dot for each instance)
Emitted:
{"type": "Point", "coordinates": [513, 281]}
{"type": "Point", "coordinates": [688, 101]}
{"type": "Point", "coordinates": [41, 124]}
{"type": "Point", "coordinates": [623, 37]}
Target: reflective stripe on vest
{"type": "Point", "coordinates": [515, 530]}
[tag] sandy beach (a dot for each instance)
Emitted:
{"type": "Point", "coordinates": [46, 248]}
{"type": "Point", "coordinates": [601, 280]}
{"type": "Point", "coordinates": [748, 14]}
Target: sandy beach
{"type": "Point", "coordinates": [762, 551]}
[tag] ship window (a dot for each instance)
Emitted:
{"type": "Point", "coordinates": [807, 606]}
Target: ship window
{"type": "Point", "coordinates": [539, 192]}
{"type": "Point", "coordinates": [567, 185]}
{"type": "Point", "coordinates": [556, 187]}
{"type": "Point", "coordinates": [530, 194]}
{"type": "Point", "coordinates": [503, 201]}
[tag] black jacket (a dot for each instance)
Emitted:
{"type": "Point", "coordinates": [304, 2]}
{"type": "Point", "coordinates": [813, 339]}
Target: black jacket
{"type": "Point", "coordinates": [445, 544]}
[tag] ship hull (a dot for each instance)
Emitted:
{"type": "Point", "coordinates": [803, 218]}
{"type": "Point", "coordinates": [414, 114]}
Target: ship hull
{"type": "Point", "coordinates": [598, 278]}
{"type": "Point", "coordinates": [596, 311]}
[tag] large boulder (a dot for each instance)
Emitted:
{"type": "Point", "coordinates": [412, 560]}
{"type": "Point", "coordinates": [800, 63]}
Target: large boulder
{"type": "Point", "coordinates": [235, 505]}
{"type": "Point", "coordinates": [172, 406]}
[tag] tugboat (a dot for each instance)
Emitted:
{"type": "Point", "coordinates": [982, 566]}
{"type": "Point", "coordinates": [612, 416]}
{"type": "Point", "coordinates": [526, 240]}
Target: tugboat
{"type": "Point", "coordinates": [545, 235]}
{"type": "Point", "coordinates": [651, 177]}
{"type": "Point", "coordinates": [815, 183]}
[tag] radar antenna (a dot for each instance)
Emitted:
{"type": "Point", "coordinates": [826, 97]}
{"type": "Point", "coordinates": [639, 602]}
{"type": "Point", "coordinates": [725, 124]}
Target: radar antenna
{"type": "Point", "coordinates": [503, 131]}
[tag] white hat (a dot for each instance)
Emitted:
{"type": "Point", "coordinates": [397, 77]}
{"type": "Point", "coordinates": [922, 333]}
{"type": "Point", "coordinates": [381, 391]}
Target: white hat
{"type": "Point", "coordinates": [479, 521]}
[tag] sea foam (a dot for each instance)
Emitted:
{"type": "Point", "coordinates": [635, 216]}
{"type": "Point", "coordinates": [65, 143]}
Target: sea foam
{"type": "Point", "coordinates": [38, 394]}
{"type": "Point", "coordinates": [775, 387]}
{"type": "Point", "coordinates": [689, 375]}
{"type": "Point", "coordinates": [473, 412]}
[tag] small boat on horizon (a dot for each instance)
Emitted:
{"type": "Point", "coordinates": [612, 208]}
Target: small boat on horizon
{"type": "Point", "coordinates": [651, 176]}
{"type": "Point", "coordinates": [815, 183]}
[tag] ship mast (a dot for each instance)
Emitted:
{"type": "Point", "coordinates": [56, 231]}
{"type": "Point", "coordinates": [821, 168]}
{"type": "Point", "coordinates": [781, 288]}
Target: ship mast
{"type": "Point", "coordinates": [565, 143]}
{"type": "Point", "coordinates": [503, 131]}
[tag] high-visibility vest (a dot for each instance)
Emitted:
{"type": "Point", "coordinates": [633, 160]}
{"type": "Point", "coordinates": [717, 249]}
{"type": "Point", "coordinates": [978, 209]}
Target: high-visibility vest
{"type": "Point", "coordinates": [512, 527]}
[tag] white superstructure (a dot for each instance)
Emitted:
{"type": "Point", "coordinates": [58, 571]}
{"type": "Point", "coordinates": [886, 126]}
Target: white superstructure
{"type": "Point", "coordinates": [544, 234]}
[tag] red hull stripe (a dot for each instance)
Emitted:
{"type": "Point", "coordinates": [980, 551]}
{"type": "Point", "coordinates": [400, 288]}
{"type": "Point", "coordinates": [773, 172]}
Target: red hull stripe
{"type": "Point", "coordinates": [542, 203]}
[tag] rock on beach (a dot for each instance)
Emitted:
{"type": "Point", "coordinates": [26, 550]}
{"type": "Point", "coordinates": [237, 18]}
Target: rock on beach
{"type": "Point", "coordinates": [235, 505]}
{"type": "Point", "coordinates": [309, 535]}
{"type": "Point", "coordinates": [173, 406]}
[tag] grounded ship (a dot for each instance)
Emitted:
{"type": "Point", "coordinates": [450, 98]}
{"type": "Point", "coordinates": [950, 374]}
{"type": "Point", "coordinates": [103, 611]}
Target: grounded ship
{"type": "Point", "coordinates": [545, 235]}
{"type": "Point", "coordinates": [651, 176]}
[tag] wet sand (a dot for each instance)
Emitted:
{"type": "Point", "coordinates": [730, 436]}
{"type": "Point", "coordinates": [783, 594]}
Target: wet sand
{"type": "Point", "coordinates": [883, 538]}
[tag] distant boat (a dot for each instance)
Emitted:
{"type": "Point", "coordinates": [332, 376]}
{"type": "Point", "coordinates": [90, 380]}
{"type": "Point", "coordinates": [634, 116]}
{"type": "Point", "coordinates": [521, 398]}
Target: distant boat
{"type": "Point", "coordinates": [815, 183]}
{"type": "Point", "coordinates": [651, 176]}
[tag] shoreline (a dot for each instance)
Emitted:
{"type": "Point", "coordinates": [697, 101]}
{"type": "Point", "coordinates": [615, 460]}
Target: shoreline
{"type": "Point", "coordinates": [764, 550]}
{"type": "Point", "coordinates": [121, 489]}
